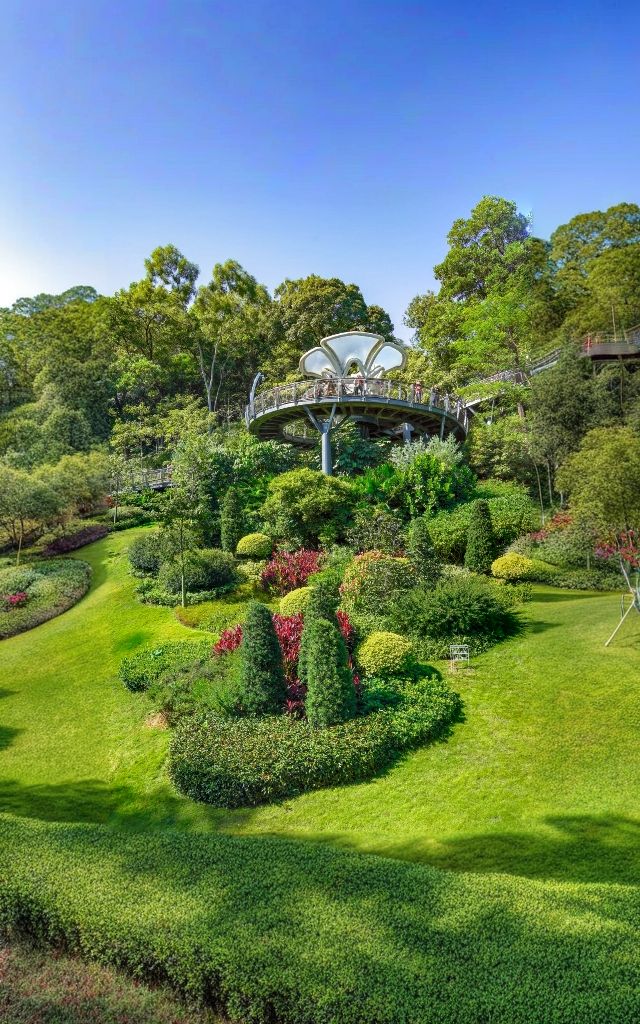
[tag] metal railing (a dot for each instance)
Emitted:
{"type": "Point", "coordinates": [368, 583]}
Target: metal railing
{"type": "Point", "coordinates": [365, 390]}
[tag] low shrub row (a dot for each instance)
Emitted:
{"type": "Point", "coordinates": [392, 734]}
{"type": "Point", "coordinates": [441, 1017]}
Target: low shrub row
{"type": "Point", "coordinates": [46, 589]}
{"type": "Point", "coordinates": [237, 762]}
{"type": "Point", "coordinates": [141, 670]}
{"type": "Point", "coordinates": [76, 539]}
{"type": "Point", "coordinates": [267, 929]}
{"type": "Point", "coordinates": [512, 513]}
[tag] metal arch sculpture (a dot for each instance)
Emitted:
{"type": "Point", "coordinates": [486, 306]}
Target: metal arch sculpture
{"type": "Point", "coordinates": [336, 354]}
{"type": "Point", "coordinates": [331, 396]}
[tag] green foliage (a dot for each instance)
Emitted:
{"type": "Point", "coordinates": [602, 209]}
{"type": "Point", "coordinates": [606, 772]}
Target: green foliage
{"type": "Point", "coordinates": [305, 507]}
{"type": "Point", "coordinates": [602, 479]}
{"type": "Point", "coordinates": [376, 528]}
{"type": "Point", "coordinates": [421, 552]}
{"type": "Point", "coordinates": [460, 609]}
{"type": "Point", "coordinates": [481, 542]}
{"type": "Point", "coordinates": [518, 567]}
{"type": "Point", "coordinates": [231, 521]}
{"type": "Point", "coordinates": [385, 654]}
{"type": "Point", "coordinates": [263, 688]}
{"type": "Point", "coordinates": [512, 514]}
{"type": "Point", "coordinates": [331, 695]}
{"type": "Point", "coordinates": [145, 553]}
{"type": "Point", "coordinates": [143, 669]}
{"type": "Point", "coordinates": [256, 546]}
{"type": "Point", "coordinates": [206, 569]}
{"type": "Point", "coordinates": [424, 479]}
{"type": "Point", "coordinates": [373, 584]}
{"type": "Point", "coordinates": [232, 762]}
{"type": "Point", "coordinates": [51, 586]}
{"type": "Point", "coordinates": [295, 601]}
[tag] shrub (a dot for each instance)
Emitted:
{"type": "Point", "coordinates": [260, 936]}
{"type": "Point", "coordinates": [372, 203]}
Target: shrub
{"type": "Point", "coordinates": [231, 520]}
{"type": "Point", "coordinates": [512, 513]}
{"type": "Point", "coordinates": [460, 609]}
{"type": "Point", "coordinates": [331, 695]}
{"type": "Point", "coordinates": [421, 552]}
{"type": "Point", "coordinates": [263, 683]}
{"type": "Point", "coordinates": [18, 599]}
{"type": "Point", "coordinates": [480, 549]}
{"type": "Point", "coordinates": [295, 601]}
{"type": "Point", "coordinates": [78, 539]}
{"type": "Point", "coordinates": [231, 762]}
{"type": "Point", "coordinates": [256, 546]}
{"type": "Point", "coordinates": [51, 587]}
{"type": "Point", "coordinates": [141, 670]}
{"type": "Point", "coordinates": [306, 507]}
{"type": "Point", "coordinates": [373, 584]}
{"type": "Point", "coordinates": [289, 570]}
{"type": "Point", "coordinates": [518, 567]}
{"type": "Point", "coordinates": [145, 553]}
{"type": "Point", "coordinates": [205, 570]}
{"type": "Point", "coordinates": [375, 527]}
{"type": "Point", "coordinates": [589, 579]}
{"type": "Point", "coordinates": [385, 654]}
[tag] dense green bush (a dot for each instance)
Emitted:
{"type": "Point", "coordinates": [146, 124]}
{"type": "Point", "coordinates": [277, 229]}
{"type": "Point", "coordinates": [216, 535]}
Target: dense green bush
{"type": "Point", "coordinates": [263, 686]}
{"type": "Point", "coordinates": [256, 546]}
{"type": "Point", "coordinates": [376, 527]}
{"type": "Point", "coordinates": [512, 513]}
{"type": "Point", "coordinates": [265, 928]}
{"type": "Point", "coordinates": [295, 601]}
{"type": "Point", "coordinates": [231, 762]}
{"type": "Point", "coordinates": [51, 587]}
{"type": "Point", "coordinates": [589, 579]}
{"type": "Point", "coordinates": [373, 584]}
{"type": "Point", "coordinates": [385, 654]}
{"type": "Point", "coordinates": [145, 553]}
{"type": "Point", "coordinates": [481, 545]}
{"type": "Point", "coordinates": [514, 567]}
{"type": "Point", "coordinates": [460, 609]}
{"type": "Point", "coordinates": [421, 552]}
{"type": "Point", "coordinates": [205, 570]}
{"type": "Point", "coordinates": [306, 508]}
{"type": "Point", "coordinates": [421, 478]}
{"type": "Point", "coordinates": [331, 695]}
{"type": "Point", "coordinates": [141, 670]}
{"type": "Point", "coordinates": [231, 520]}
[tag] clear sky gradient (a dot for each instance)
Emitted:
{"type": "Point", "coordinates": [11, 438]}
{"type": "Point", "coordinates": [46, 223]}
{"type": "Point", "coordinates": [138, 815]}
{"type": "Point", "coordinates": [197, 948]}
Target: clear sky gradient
{"type": "Point", "coordinates": [331, 138]}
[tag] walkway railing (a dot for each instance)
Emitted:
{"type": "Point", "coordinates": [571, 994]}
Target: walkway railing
{"type": "Point", "coordinates": [351, 390]}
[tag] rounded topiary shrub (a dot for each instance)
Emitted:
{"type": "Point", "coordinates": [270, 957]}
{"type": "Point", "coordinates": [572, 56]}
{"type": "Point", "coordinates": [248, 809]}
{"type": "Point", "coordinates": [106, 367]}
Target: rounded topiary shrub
{"type": "Point", "coordinates": [207, 569]}
{"type": "Point", "coordinates": [256, 546]}
{"type": "Point", "coordinates": [144, 553]}
{"type": "Point", "coordinates": [514, 567]}
{"type": "Point", "coordinates": [242, 762]}
{"type": "Point", "coordinates": [295, 601]}
{"type": "Point", "coordinates": [385, 654]}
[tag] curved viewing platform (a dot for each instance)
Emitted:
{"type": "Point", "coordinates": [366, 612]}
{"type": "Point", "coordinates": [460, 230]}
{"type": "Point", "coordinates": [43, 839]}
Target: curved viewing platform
{"type": "Point", "coordinates": [381, 406]}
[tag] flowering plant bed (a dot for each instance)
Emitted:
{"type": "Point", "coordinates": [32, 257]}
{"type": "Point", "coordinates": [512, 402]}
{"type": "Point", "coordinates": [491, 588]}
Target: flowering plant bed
{"type": "Point", "coordinates": [37, 591]}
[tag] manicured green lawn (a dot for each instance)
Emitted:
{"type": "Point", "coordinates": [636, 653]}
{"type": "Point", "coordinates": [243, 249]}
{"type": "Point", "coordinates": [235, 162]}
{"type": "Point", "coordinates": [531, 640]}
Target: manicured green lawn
{"type": "Point", "coordinates": [540, 780]}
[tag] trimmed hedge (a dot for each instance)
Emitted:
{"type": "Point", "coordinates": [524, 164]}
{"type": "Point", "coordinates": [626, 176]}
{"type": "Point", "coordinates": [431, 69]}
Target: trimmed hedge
{"type": "Point", "coordinates": [511, 514]}
{"type": "Point", "coordinates": [295, 601]}
{"type": "Point", "coordinates": [52, 587]}
{"type": "Point", "coordinates": [256, 546]}
{"type": "Point", "coordinates": [236, 762]}
{"type": "Point", "coordinates": [518, 567]}
{"type": "Point", "coordinates": [78, 539]}
{"type": "Point", "coordinates": [145, 554]}
{"type": "Point", "coordinates": [265, 929]}
{"type": "Point", "coordinates": [206, 569]}
{"type": "Point", "coordinates": [385, 654]}
{"type": "Point", "coordinates": [141, 670]}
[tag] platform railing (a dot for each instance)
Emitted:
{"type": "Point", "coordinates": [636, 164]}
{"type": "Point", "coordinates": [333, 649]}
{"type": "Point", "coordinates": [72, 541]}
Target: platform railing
{"type": "Point", "coordinates": [336, 389]}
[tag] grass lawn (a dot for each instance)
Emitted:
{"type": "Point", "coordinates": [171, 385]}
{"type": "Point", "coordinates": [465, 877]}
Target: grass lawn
{"type": "Point", "coordinates": [540, 780]}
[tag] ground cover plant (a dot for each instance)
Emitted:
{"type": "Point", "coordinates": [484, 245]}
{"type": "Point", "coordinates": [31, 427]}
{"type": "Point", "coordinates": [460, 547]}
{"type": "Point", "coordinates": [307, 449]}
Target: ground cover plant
{"type": "Point", "coordinates": [34, 592]}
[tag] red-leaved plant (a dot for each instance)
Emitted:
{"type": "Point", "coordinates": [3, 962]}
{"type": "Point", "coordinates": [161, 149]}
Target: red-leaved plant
{"type": "Point", "coordinates": [288, 570]}
{"type": "Point", "coordinates": [16, 600]}
{"type": "Point", "coordinates": [560, 521]}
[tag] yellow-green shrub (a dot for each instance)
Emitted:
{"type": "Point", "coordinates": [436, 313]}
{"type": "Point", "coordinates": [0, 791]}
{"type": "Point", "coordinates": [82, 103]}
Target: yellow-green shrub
{"type": "Point", "coordinates": [295, 601]}
{"type": "Point", "coordinates": [518, 567]}
{"type": "Point", "coordinates": [255, 546]}
{"type": "Point", "coordinates": [385, 654]}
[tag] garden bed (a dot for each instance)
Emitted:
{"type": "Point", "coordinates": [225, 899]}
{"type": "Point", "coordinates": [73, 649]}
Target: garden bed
{"type": "Point", "coordinates": [32, 593]}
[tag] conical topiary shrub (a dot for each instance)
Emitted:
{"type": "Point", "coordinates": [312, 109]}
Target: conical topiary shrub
{"type": "Point", "coordinates": [481, 542]}
{"type": "Point", "coordinates": [421, 552]}
{"type": "Point", "coordinates": [331, 696]}
{"type": "Point", "coordinates": [231, 521]}
{"type": "Point", "coordinates": [263, 686]}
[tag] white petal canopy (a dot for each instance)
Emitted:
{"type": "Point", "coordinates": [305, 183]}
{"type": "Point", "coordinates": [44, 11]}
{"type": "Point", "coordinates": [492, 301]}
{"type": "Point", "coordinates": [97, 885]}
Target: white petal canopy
{"type": "Point", "coordinates": [370, 353]}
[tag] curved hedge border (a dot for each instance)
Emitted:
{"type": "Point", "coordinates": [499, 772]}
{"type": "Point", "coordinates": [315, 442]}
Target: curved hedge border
{"type": "Point", "coordinates": [240, 762]}
{"type": "Point", "coordinates": [62, 582]}
{"type": "Point", "coordinates": [270, 929]}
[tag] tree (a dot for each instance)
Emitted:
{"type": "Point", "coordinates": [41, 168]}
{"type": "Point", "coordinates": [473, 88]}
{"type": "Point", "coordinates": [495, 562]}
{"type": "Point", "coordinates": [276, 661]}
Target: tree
{"type": "Point", "coordinates": [178, 532]}
{"type": "Point", "coordinates": [231, 520]}
{"type": "Point", "coordinates": [331, 696]}
{"type": "Point", "coordinates": [481, 547]}
{"type": "Point", "coordinates": [602, 479]}
{"type": "Point", "coordinates": [26, 503]}
{"type": "Point", "coordinates": [305, 506]}
{"type": "Point", "coordinates": [263, 685]}
{"type": "Point", "coordinates": [421, 552]}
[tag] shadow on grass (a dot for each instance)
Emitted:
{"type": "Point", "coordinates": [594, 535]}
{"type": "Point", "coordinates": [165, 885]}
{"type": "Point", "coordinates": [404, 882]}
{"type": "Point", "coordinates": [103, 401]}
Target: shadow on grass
{"type": "Point", "coordinates": [7, 736]}
{"type": "Point", "coordinates": [581, 848]}
{"type": "Point", "coordinates": [552, 597]}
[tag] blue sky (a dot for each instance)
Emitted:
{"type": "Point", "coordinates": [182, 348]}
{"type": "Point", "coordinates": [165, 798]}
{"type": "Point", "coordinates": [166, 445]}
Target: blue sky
{"type": "Point", "coordinates": [335, 138]}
